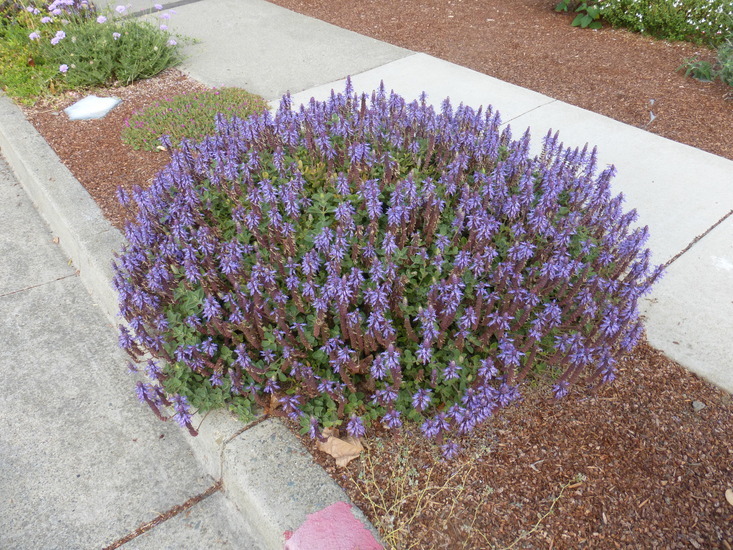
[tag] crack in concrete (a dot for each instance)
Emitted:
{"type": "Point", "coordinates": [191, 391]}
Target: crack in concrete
{"type": "Point", "coordinates": [165, 516]}
{"type": "Point", "coordinates": [696, 240]}
{"type": "Point", "coordinates": [39, 284]}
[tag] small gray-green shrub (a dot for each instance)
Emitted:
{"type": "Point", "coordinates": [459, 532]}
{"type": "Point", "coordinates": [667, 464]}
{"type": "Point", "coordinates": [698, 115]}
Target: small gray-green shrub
{"type": "Point", "coordinates": [188, 116]}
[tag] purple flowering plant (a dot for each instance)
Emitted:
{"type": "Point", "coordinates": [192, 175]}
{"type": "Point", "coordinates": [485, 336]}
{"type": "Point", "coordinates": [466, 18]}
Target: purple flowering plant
{"type": "Point", "coordinates": [367, 260]}
{"type": "Point", "coordinates": [71, 45]}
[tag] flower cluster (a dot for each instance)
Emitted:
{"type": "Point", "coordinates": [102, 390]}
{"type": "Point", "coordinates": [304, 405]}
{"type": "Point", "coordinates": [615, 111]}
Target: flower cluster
{"type": "Point", "coordinates": [706, 21]}
{"type": "Point", "coordinates": [63, 12]}
{"type": "Point", "coordinates": [369, 260]}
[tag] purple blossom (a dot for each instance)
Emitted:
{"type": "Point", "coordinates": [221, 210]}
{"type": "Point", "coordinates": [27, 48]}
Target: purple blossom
{"type": "Point", "coordinates": [421, 399]}
{"type": "Point", "coordinates": [291, 405]}
{"type": "Point", "coordinates": [431, 428]}
{"type": "Point", "coordinates": [355, 427]}
{"type": "Point", "coordinates": [378, 369]}
{"type": "Point", "coordinates": [182, 410]}
{"type": "Point", "coordinates": [392, 420]}
{"type": "Point", "coordinates": [508, 353]}
{"type": "Point", "coordinates": [560, 389]}
{"type": "Point", "coordinates": [391, 358]}
{"type": "Point", "coordinates": [385, 396]}
{"type": "Point", "coordinates": [450, 372]}
{"type": "Point", "coordinates": [60, 35]}
{"type": "Point", "coordinates": [212, 308]}
{"type": "Point", "coordinates": [487, 369]}
{"type": "Point", "coordinates": [268, 355]}
{"type": "Point", "coordinates": [424, 353]}
{"type": "Point", "coordinates": [209, 347]}
{"type": "Point", "coordinates": [389, 245]}
{"type": "Point", "coordinates": [450, 450]}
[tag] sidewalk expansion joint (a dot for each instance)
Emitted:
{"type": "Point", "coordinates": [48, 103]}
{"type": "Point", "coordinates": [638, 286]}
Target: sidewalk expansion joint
{"type": "Point", "coordinates": [165, 516]}
{"type": "Point", "coordinates": [247, 427]}
{"type": "Point", "coordinates": [39, 284]}
{"type": "Point", "coordinates": [506, 122]}
{"type": "Point", "coordinates": [167, 6]}
{"type": "Point", "coordinates": [696, 239]}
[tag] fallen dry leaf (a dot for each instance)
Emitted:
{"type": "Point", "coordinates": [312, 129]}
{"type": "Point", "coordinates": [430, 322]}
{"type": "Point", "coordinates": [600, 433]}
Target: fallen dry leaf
{"type": "Point", "coordinates": [729, 496]}
{"type": "Point", "coordinates": [274, 402]}
{"type": "Point", "coordinates": [343, 450]}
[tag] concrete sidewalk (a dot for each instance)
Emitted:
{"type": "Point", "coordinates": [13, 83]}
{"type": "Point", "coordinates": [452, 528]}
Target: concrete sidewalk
{"type": "Point", "coordinates": [67, 399]}
{"type": "Point", "coordinates": [83, 465]}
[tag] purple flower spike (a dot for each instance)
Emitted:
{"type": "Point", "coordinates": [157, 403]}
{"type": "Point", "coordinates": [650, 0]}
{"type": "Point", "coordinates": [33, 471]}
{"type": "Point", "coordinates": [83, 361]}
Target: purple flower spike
{"type": "Point", "coordinates": [355, 427]}
{"type": "Point", "coordinates": [421, 399]}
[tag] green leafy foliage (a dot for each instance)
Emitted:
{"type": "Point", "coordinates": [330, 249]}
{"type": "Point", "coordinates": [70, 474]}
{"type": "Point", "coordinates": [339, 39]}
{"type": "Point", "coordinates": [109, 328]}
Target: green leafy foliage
{"type": "Point", "coordinates": [699, 21]}
{"type": "Point", "coordinates": [725, 62]}
{"type": "Point", "coordinates": [188, 116]}
{"type": "Point", "coordinates": [24, 73]}
{"type": "Point", "coordinates": [706, 71]}
{"type": "Point", "coordinates": [699, 69]}
{"type": "Point", "coordinates": [98, 54]}
{"type": "Point", "coordinates": [588, 17]}
{"type": "Point", "coordinates": [48, 47]}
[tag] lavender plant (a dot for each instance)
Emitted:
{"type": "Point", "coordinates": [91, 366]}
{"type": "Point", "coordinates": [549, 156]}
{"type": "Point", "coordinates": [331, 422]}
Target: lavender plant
{"type": "Point", "coordinates": [368, 260]}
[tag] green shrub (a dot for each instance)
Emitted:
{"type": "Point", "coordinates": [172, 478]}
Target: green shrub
{"type": "Point", "coordinates": [699, 21]}
{"type": "Point", "coordinates": [725, 62]}
{"type": "Point", "coordinates": [189, 116]}
{"type": "Point", "coordinates": [97, 54]}
{"type": "Point", "coordinates": [589, 14]}
{"type": "Point", "coordinates": [53, 46]}
{"type": "Point", "coordinates": [706, 71]}
{"type": "Point", "coordinates": [24, 73]}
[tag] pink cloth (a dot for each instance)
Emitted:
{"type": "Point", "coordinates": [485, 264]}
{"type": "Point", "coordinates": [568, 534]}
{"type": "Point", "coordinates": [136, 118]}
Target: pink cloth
{"type": "Point", "coordinates": [333, 528]}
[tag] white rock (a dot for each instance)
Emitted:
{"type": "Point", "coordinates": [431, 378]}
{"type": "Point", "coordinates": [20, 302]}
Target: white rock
{"type": "Point", "coordinates": [698, 406]}
{"type": "Point", "coordinates": [91, 107]}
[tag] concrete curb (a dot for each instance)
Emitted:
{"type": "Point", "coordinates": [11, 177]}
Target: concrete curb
{"type": "Point", "coordinates": [84, 234]}
{"type": "Point", "coordinates": [265, 470]}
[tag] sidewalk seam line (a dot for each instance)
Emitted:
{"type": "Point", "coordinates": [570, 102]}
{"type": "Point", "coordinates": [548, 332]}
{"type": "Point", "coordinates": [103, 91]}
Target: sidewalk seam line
{"type": "Point", "coordinates": [39, 285]}
{"type": "Point", "coordinates": [696, 240]}
{"type": "Point", "coordinates": [506, 122]}
{"type": "Point", "coordinates": [245, 428]}
{"type": "Point", "coordinates": [170, 5]}
{"type": "Point", "coordinates": [165, 516]}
